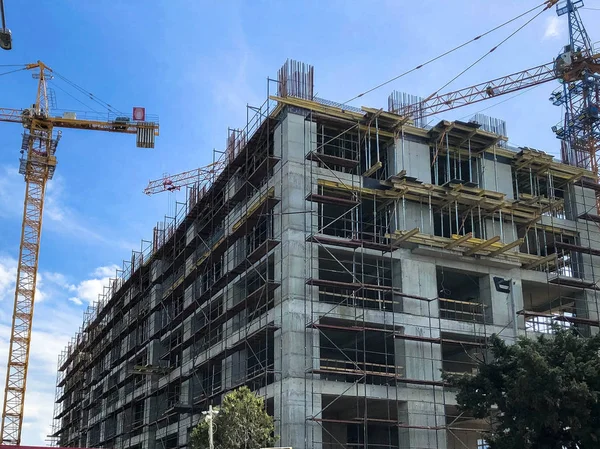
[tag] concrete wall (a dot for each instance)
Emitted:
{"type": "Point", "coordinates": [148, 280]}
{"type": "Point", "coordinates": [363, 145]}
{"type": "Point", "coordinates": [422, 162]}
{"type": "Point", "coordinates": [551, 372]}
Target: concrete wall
{"type": "Point", "coordinates": [414, 157]}
{"type": "Point", "coordinates": [410, 215]}
{"type": "Point", "coordinates": [497, 176]}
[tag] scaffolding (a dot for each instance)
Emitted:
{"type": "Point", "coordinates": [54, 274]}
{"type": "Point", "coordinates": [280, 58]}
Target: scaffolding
{"type": "Point", "coordinates": [376, 336]}
{"type": "Point", "coordinates": [337, 263]}
{"type": "Point", "coordinates": [189, 317]}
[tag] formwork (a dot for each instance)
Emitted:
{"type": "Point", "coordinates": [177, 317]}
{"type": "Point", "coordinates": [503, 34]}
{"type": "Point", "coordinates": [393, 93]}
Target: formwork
{"type": "Point", "coordinates": [340, 260]}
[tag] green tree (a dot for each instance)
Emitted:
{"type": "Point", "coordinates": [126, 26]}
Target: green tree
{"type": "Point", "coordinates": [242, 423]}
{"type": "Point", "coordinates": [539, 393]}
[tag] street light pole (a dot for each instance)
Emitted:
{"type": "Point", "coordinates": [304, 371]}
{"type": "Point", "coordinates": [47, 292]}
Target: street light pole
{"type": "Point", "coordinates": [210, 414]}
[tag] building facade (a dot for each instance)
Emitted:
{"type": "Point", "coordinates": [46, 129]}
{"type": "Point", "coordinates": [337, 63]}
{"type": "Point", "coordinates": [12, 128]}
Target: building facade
{"type": "Point", "coordinates": [338, 263]}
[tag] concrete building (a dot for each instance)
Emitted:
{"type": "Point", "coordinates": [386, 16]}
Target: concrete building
{"type": "Point", "coordinates": [340, 260]}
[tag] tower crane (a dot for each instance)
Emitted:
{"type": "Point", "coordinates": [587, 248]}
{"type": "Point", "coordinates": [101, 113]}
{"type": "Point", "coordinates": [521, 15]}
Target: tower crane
{"type": "Point", "coordinates": [199, 176]}
{"type": "Point", "coordinates": [580, 132]}
{"type": "Point", "coordinates": [577, 68]}
{"type": "Point", "coordinates": [37, 164]}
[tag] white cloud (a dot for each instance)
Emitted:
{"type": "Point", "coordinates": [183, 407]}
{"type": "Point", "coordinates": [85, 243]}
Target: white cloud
{"type": "Point", "coordinates": [55, 322]}
{"type": "Point", "coordinates": [87, 291]}
{"type": "Point", "coordinates": [554, 28]}
{"type": "Point", "coordinates": [106, 271]}
{"type": "Point", "coordinates": [52, 328]}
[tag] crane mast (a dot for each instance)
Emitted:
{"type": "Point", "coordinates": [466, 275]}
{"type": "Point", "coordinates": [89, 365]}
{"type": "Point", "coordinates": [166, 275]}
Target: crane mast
{"type": "Point", "coordinates": [37, 166]}
{"type": "Point", "coordinates": [580, 131]}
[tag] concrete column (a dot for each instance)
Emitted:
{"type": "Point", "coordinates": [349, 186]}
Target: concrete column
{"type": "Point", "coordinates": [295, 345]}
{"type": "Point", "coordinates": [410, 215]}
{"type": "Point", "coordinates": [156, 270]}
{"type": "Point", "coordinates": [500, 307]}
{"type": "Point", "coordinates": [418, 278]}
{"type": "Point", "coordinates": [506, 230]}
{"type": "Point", "coordinates": [296, 404]}
{"type": "Point", "coordinates": [420, 360]}
{"type": "Point", "coordinates": [422, 414]}
{"type": "Point", "coordinates": [294, 138]}
{"type": "Point", "coordinates": [149, 416]}
{"type": "Point", "coordinates": [155, 295]}
{"type": "Point", "coordinates": [497, 176]}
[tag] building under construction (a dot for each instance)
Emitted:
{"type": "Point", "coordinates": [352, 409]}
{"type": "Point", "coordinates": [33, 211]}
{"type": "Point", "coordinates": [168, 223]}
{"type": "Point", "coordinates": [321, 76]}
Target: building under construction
{"type": "Point", "coordinates": [336, 263]}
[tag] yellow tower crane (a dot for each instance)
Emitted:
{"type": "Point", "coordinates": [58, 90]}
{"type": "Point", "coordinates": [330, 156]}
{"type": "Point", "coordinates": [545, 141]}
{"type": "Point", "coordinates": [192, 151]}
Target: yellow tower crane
{"type": "Point", "coordinates": [37, 164]}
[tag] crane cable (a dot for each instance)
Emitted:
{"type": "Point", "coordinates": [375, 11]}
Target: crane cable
{"type": "Point", "coordinates": [92, 97]}
{"type": "Point", "coordinates": [486, 54]}
{"type": "Point", "coordinates": [545, 3]}
{"type": "Point", "coordinates": [500, 102]}
{"type": "Point", "coordinates": [13, 71]}
{"type": "Point", "coordinates": [75, 98]}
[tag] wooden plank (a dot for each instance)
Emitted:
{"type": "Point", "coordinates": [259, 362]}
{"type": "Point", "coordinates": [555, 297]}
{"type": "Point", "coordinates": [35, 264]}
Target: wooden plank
{"type": "Point", "coordinates": [506, 248]}
{"type": "Point", "coordinates": [466, 303]}
{"type": "Point", "coordinates": [373, 169]}
{"type": "Point", "coordinates": [406, 236]}
{"type": "Point", "coordinates": [331, 160]}
{"type": "Point", "coordinates": [332, 111]}
{"type": "Point", "coordinates": [459, 240]}
{"type": "Point", "coordinates": [326, 199]}
{"type": "Point", "coordinates": [539, 262]}
{"type": "Point", "coordinates": [482, 246]}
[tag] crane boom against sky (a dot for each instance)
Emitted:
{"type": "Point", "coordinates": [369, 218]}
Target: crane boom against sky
{"type": "Point", "coordinates": [197, 176]}
{"type": "Point", "coordinates": [37, 165]}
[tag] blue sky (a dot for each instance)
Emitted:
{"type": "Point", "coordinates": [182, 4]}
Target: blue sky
{"type": "Point", "coordinates": [197, 64]}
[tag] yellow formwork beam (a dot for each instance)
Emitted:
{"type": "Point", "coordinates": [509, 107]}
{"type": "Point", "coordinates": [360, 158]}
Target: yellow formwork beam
{"type": "Point", "coordinates": [438, 196]}
{"type": "Point", "coordinates": [404, 236]}
{"type": "Point", "coordinates": [459, 240]}
{"type": "Point", "coordinates": [373, 169]}
{"type": "Point", "coordinates": [483, 245]}
{"type": "Point", "coordinates": [540, 261]}
{"type": "Point", "coordinates": [506, 247]}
